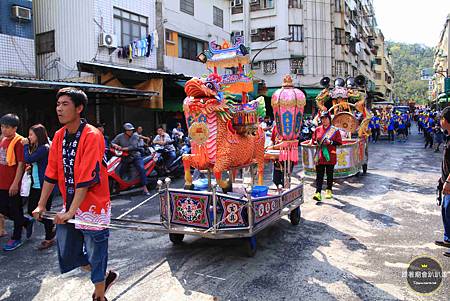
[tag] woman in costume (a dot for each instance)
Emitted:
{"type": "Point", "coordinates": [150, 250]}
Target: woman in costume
{"type": "Point", "coordinates": [326, 137]}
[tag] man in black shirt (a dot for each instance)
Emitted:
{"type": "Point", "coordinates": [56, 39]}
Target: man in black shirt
{"type": "Point", "coordinates": [444, 184]}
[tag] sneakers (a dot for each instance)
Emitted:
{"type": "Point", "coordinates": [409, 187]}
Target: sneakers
{"type": "Point", "coordinates": [317, 197]}
{"type": "Point", "coordinates": [29, 227]}
{"type": "Point", "coordinates": [12, 244]}
{"type": "Point", "coordinates": [328, 194]}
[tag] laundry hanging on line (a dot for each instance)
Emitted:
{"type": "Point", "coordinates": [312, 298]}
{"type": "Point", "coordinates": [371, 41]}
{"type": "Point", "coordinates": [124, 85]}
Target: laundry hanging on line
{"type": "Point", "coordinates": [139, 48]}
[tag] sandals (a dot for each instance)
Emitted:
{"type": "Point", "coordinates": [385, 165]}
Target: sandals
{"type": "Point", "coordinates": [45, 244]}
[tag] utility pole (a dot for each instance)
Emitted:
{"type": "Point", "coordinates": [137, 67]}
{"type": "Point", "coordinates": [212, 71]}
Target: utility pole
{"type": "Point", "coordinates": [247, 27]}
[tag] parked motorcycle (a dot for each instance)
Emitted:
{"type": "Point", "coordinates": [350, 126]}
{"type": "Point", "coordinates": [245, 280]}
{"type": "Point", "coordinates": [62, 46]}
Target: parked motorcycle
{"type": "Point", "coordinates": [123, 175]}
{"type": "Point", "coordinates": [176, 168]}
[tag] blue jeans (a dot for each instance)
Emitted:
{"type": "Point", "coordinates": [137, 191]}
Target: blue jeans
{"type": "Point", "coordinates": [446, 217]}
{"type": "Point", "coordinates": [139, 164]}
{"type": "Point", "coordinates": [170, 156]}
{"type": "Point", "coordinates": [77, 248]}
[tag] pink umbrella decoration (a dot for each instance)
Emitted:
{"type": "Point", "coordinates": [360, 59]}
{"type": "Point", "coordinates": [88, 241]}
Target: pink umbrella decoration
{"type": "Point", "coordinates": [288, 105]}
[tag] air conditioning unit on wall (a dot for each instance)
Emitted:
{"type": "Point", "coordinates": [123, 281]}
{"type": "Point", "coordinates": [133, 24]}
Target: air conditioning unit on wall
{"type": "Point", "coordinates": [107, 40]}
{"type": "Point", "coordinates": [20, 12]}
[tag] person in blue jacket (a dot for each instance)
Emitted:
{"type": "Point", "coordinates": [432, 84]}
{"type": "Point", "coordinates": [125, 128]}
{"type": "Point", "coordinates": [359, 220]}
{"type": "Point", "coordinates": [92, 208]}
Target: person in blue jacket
{"type": "Point", "coordinates": [391, 129]}
{"type": "Point", "coordinates": [375, 127]}
{"type": "Point", "coordinates": [428, 130]}
{"type": "Point", "coordinates": [36, 149]}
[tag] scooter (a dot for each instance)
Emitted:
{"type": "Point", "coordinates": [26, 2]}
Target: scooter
{"type": "Point", "coordinates": [126, 177]}
{"type": "Point", "coordinates": [176, 168]}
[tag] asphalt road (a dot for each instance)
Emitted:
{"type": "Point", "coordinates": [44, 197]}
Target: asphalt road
{"type": "Point", "coordinates": [354, 247]}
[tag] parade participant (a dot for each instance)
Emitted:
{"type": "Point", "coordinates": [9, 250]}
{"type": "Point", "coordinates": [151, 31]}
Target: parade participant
{"type": "Point", "coordinates": [36, 148]}
{"type": "Point", "coordinates": [391, 129]}
{"type": "Point", "coordinates": [428, 131]}
{"type": "Point", "coordinates": [438, 137]}
{"type": "Point", "coordinates": [163, 139]}
{"type": "Point", "coordinates": [444, 184]}
{"type": "Point", "coordinates": [326, 137]}
{"type": "Point", "coordinates": [420, 122]}
{"type": "Point", "coordinates": [129, 141]}
{"type": "Point", "coordinates": [76, 164]}
{"type": "Point", "coordinates": [375, 127]}
{"type": "Point", "coordinates": [11, 171]}
{"type": "Point", "coordinates": [401, 129]}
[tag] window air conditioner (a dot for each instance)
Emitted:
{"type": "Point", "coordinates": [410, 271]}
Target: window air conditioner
{"type": "Point", "coordinates": [253, 2]}
{"type": "Point", "coordinates": [254, 32]}
{"type": "Point", "coordinates": [108, 40]}
{"type": "Point", "coordinates": [237, 2]}
{"type": "Point", "coordinates": [20, 12]}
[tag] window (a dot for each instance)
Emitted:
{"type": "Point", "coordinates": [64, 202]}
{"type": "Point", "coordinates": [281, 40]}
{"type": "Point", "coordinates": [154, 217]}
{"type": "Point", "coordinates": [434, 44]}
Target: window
{"type": "Point", "coordinates": [256, 65]}
{"type": "Point", "coordinates": [341, 68]}
{"type": "Point", "coordinates": [236, 7]}
{"type": "Point", "coordinates": [218, 17]}
{"type": "Point", "coordinates": [189, 48]}
{"type": "Point", "coordinates": [296, 66]}
{"type": "Point", "coordinates": [129, 27]}
{"type": "Point", "coordinates": [263, 34]}
{"type": "Point", "coordinates": [260, 4]}
{"type": "Point", "coordinates": [339, 36]}
{"type": "Point", "coordinates": [338, 6]}
{"type": "Point", "coordinates": [296, 33]}
{"type": "Point", "coordinates": [170, 36]}
{"type": "Point", "coordinates": [295, 4]}
{"type": "Point", "coordinates": [377, 75]}
{"type": "Point", "coordinates": [45, 42]}
{"type": "Point", "coordinates": [378, 61]}
{"type": "Point", "coordinates": [187, 6]}
{"type": "Point", "coordinates": [270, 67]}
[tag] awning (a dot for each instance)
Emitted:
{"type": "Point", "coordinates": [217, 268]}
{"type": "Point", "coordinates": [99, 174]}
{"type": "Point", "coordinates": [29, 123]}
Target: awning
{"type": "Point", "coordinates": [125, 71]}
{"type": "Point", "coordinates": [22, 83]}
{"type": "Point", "coordinates": [311, 93]}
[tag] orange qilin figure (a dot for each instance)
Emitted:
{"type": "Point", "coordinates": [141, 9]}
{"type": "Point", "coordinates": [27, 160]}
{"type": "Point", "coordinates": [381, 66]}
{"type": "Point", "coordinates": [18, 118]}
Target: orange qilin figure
{"type": "Point", "coordinates": [217, 144]}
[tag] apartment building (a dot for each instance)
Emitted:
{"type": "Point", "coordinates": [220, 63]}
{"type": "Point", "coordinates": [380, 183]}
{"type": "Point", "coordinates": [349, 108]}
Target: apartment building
{"type": "Point", "coordinates": [189, 25]}
{"type": "Point", "coordinates": [441, 80]}
{"type": "Point", "coordinates": [309, 39]}
{"type": "Point", "coordinates": [384, 72]}
{"type": "Point", "coordinates": [16, 38]}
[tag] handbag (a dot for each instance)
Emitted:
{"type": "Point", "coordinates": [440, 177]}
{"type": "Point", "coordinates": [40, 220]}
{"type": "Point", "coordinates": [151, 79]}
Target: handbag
{"type": "Point", "coordinates": [26, 185]}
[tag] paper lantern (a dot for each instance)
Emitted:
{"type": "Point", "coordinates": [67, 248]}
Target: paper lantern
{"type": "Point", "coordinates": [288, 104]}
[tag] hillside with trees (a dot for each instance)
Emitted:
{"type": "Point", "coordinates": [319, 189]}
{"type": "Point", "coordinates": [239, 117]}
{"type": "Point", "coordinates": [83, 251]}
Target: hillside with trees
{"type": "Point", "coordinates": [408, 61]}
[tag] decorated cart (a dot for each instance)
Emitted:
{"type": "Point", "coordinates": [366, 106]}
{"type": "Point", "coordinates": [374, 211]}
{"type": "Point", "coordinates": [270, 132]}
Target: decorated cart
{"type": "Point", "coordinates": [347, 105]}
{"type": "Point", "coordinates": [234, 201]}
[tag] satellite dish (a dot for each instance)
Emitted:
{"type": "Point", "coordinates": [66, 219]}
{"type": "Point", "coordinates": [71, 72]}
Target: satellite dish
{"type": "Point", "coordinates": [325, 82]}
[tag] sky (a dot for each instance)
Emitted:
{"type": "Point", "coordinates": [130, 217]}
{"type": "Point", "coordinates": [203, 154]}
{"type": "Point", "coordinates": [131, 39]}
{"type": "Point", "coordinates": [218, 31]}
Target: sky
{"type": "Point", "coordinates": [412, 21]}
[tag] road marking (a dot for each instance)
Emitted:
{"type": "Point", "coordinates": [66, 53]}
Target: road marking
{"type": "Point", "coordinates": [209, 276]}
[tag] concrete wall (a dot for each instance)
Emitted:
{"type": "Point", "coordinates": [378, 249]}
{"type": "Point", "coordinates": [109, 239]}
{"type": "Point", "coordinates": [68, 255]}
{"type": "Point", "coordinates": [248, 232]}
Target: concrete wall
{"type": "Point", "coordinates": [13, 26]}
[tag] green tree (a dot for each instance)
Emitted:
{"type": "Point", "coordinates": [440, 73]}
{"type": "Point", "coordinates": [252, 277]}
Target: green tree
{"type": "Point", "coordinates": [408, 61]}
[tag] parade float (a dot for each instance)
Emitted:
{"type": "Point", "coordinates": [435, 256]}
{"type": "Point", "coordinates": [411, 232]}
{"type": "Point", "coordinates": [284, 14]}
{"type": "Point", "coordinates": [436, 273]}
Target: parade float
{"type": "Point", "coordinates": [234, 201]}
{"type": "Point", "coordinates": [347, 106]}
